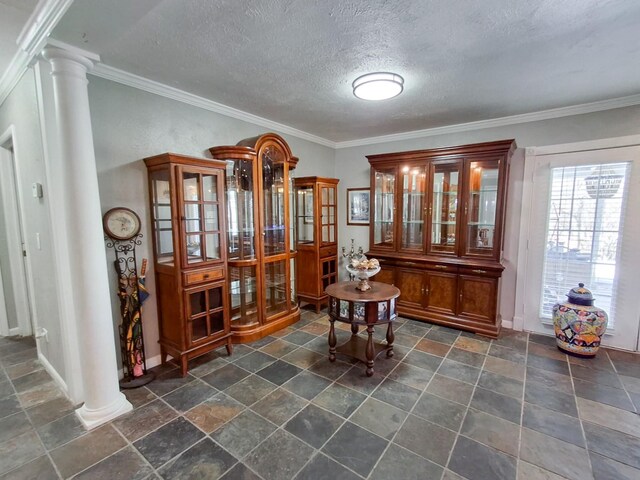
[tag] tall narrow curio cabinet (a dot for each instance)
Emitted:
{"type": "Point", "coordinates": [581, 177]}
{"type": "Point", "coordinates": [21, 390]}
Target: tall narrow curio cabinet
{"type": "Point", "coordinates": [437, 228]}
{"type": "Point", "coordinates": [261, 254]}
{"type": "Point", "coordinates": [317, 236]}
{"type": "Point", "coordinates": [189, 245]}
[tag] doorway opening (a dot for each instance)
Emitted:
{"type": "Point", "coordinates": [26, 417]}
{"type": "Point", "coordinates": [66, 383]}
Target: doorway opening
{"type": "Point", "coordinates": [15, 308]}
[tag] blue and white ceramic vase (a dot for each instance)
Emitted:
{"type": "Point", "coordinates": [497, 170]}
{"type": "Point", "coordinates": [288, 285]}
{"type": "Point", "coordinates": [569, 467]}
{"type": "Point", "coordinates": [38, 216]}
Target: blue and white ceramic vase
{"type": "Point", "coordinates": [578, 324]}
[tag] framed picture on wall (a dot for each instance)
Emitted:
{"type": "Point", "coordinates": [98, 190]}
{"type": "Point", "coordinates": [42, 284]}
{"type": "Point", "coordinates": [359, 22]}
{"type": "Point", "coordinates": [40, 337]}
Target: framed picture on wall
{"type": "Point", "coordinates": [358, 204]}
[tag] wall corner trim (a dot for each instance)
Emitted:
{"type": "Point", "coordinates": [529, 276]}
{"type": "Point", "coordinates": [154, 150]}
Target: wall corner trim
{"type": "Point", "coordinates": [31, 41]}
{"type": "Point", "coordinates": [54, 373]}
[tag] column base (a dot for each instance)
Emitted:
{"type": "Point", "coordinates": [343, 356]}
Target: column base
{"type": "Point", "coordinates": [94, 418]}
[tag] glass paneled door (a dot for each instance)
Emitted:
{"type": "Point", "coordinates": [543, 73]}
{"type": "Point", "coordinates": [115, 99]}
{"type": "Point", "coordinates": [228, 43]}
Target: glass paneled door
{"type": "Point", "coordinates": [414, 181]}
{"type": "Point", "coordinates": [482, 207]}
{"type": "Point", "coordinates": [384, 191]}
{"type": "Point", "coordinates": [584, 228]}
{"type": "Point", "coordinates": [444, 207]}
{"type": "Point", "coordinates": [201, 218]}
{"type": "Point", "coordinates": [275, 234]}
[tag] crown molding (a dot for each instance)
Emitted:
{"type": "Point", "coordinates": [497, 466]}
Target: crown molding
{"type": "Point", "coordinates": [42, 21]}
{"type": "Point", "coordinates": [31, 41]}
{"type": "Point", "coordinates": [18, 65]}
{"type": "Point", "coordinates": [151, 86]}
{"type": "Point", "coordinates": [498, 122]}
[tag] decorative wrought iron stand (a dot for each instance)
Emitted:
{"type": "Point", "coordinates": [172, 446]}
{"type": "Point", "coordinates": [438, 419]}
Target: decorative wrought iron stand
{"type": "Point", "coordinates": [351, 255]}
{"type": "Point", "coordinates": [132, 294]}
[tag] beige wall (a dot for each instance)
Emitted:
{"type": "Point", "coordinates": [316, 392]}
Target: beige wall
{"type": "Point", "coordinates": [20, 109]}
{"type": "Point", "coordinates": [130, 124]}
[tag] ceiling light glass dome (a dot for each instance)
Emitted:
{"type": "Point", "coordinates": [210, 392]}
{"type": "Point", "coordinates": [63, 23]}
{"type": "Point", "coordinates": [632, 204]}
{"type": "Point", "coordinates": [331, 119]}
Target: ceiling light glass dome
{"type": "Point", "coordinates": [378, 86]}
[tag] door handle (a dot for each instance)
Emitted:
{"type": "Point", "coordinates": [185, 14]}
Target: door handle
{"type": "Point", "coordinates": [479, 271]}
{"type": "Point", "coordinates": [441, 267]}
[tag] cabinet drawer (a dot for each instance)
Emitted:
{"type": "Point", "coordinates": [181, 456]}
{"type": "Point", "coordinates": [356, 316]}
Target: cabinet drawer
{"type": "Point", "coordinates": [441, 267]}
{"type": "Point", "coordinates": [193, 278]}
{"type": "Point", "coordinates": [328, 251]}
{"type": "Point", "coordinates": [480, 271]}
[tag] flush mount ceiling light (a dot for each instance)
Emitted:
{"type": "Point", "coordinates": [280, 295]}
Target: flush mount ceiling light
{"type": "Point", "coordinates": [378, 86]}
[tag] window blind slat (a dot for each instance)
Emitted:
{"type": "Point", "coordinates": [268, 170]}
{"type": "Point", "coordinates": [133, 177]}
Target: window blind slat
{"type": "Point", "coordinates": [583, 233]}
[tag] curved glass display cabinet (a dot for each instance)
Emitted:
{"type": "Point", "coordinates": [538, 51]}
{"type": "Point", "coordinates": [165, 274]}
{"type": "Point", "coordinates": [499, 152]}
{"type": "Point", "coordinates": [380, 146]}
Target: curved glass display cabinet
{"type": "Point", "coordinates": [261, 235]}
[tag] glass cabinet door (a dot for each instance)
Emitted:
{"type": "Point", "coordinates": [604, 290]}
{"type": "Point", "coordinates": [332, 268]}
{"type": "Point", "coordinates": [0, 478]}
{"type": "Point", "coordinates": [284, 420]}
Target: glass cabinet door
{"type": "Point", "coordinates": [205, 312]}
{"type": "Point", "coordinates": [201, 216]}
{"type": "Point", "coordinates": [328, 198]}
{"type": "Point", "coordinates": [445, 181]}
{"type": "Point", "coordinates": [243, 292]}
{"type": "Point", "coordinates": [240, 213]}
{"type": "Point", "coordinates": [275, 221]}
{"type": "Point", "coordinates": [413, 189]}
{"type": "Point", "coordinates": [384, 208]}
{"type": "Point", "coordinates": [480, 226]}
{"type": "Point", "coordinates": [161, 215]}
{"type": "Point", "coordinates": [276, 290]}
{"type": "Point", "coordinates": [305, 214]}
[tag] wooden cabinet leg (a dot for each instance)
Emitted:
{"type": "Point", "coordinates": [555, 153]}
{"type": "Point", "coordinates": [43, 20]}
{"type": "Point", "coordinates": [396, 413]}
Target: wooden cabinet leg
{"type": "Point", "coordinates": [163, 356]}
{"type": "Point", "coordinates": [354, 328]}
{"type": "Point", "coordinates": [332, 341]}
{"type": "Point", "coordinates": [318, 308]}
{"type": "Point", "coordinates": [370, 350]}
{"type": "Point", "coordinates": [183, 365]}
{"type": "Point", "coordinates": [390, 338]}
{"type": "Point", "coordinates": [229, 347]}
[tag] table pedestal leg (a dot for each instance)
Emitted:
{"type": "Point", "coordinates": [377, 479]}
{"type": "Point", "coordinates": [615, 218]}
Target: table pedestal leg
{"type": "Point", "coordinates": [354, 328]}
{"type": "Point", "coordinates": [332, 341]}
{"type": "Point", "coordinates": [390, 338]}
{"type": "Point", "coordinates": [370, 350]}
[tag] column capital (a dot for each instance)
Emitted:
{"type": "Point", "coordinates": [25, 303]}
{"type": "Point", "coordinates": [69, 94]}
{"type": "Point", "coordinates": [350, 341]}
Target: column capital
{"type": "Point", "coordinates": [56, 50]}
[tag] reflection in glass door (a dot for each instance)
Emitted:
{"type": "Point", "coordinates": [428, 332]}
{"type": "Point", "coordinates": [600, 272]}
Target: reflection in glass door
{"type": "Point", "coordinates": [444, 207]}
{"type": "Point", "coordinates": [413, 187]}
{"type": "Point", "coordinates": [201, 217]}
{"type": "Point", "coordinates": [383, 221]}
{"type": "Point", "coordinates": [481, 210]}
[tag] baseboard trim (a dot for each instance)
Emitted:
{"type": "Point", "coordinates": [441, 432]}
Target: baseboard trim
{"type": "Point", "coordinates": [151, 362]}
{"type": "Point", "coordinates": [54, 374]}
{"type": "Point", "coordinates": [14, 331]}
{"type": "Point", "coordinates": [507, 324]}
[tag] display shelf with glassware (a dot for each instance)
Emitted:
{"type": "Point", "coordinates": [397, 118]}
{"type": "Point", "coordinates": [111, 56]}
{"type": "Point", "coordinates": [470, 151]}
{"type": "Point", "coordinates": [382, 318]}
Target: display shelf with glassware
{"type": "Point", "coordinates": [317, 233]}
{"type": "Point", "coordinates": [187, 222]}
{"type": "Point", "coordinates": [261, 235]}
{"type": "Point", "coordinates": [438, 236]}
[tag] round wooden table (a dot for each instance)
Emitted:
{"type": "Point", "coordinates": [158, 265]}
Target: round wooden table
{"type": "Point", "coordinates": [374, 307]}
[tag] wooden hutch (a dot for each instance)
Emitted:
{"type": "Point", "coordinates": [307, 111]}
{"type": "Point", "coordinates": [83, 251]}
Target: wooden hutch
{"type": "Point", "coordinates": [261, 252]}
{"type": "Point", "coordinates": [437, 229]}
{"type": "Point", "coordinates": [316, 237]}
{"type": "Point", "coordinates": [187, 218]}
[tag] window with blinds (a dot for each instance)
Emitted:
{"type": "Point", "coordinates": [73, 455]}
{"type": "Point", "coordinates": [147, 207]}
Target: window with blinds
{"type": "Point", "coordinates": [584, 230]}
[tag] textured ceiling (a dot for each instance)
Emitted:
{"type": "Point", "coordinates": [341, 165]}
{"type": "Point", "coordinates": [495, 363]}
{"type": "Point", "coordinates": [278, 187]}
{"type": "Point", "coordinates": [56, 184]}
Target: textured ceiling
{"type": "Point", "coordinates": [13, 16]}
{"type": "Point", "coordinates": [293, 61]}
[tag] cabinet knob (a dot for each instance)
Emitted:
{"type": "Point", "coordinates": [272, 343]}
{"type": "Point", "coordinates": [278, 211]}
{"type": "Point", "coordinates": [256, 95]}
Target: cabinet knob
{"type": "Point", "coordinates": [205, 276]}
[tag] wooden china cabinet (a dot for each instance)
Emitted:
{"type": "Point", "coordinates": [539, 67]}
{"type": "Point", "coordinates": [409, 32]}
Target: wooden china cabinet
{"type": "Point", "coordinates": [316, 237]}
{"type": "Point", "coordinates": [188, 224]}
{"type": "Point", "coordinates": [437, 229]}
{"type": "Point", "coordinates": [261, 252]}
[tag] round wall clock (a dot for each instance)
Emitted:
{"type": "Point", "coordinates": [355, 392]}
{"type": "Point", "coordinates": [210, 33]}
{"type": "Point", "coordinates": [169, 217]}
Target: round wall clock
{"type": "Point", "coordinates": [121, 223]}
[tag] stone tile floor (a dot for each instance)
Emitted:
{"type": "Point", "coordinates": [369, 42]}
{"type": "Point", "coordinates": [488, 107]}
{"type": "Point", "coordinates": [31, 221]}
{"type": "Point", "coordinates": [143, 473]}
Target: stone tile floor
{"type": "Point", "coordinates": [449, 405]}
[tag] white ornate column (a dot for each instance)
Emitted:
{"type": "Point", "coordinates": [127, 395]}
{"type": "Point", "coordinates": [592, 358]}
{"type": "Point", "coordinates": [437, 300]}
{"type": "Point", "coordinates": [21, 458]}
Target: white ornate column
{"type": "Point", "coordinates": [83, 238]}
